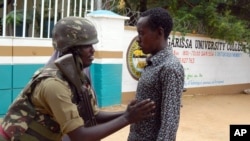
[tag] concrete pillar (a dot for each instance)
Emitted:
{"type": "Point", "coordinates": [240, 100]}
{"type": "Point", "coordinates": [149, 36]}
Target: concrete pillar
{"type": "Point", "coordinates": [106, 70]}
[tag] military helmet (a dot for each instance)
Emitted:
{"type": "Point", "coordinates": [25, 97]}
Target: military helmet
{"type": "Point", "coordinates": [73, 31]}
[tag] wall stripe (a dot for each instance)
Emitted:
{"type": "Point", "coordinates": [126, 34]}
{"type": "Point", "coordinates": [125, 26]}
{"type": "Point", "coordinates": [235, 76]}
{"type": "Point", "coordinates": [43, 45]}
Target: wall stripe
{"type": "Point", "coordinates": [5, 77]}
{"type": "Point", "coordinates": [6, 60]}
{"type": "Point", "coordinates": [5, 100]}
{"type": "Point", "coordinates": [14, 79]}
{"type": "Point", "coordinates": [5, 51]}
{"type": "Point", "coordinates": [108, 54]}
{"type": "Point", "coordinates": [31, 59]}
{"type": "Point", "coordinates": [47, 51]}
{"type": "Point", "coordinates": [32, 51]}
{"type": "Point", "coordinates": [108, 61]}
{"type": "Point", "coordinates": [107, 83]}
{"type": "Point", "coordinates": [22, 73]}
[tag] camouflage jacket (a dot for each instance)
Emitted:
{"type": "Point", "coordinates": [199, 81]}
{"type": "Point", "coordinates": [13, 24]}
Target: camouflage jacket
{"type": "Point", "coordinates": [23, 123]}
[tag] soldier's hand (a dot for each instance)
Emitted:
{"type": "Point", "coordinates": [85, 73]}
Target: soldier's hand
{"type": "Point", "coordinates": [137, 111]}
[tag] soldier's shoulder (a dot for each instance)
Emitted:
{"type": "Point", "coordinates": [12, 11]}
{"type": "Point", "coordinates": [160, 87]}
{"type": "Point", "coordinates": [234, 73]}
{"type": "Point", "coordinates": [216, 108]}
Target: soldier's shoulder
{"type": "Point", "coordinates": [55, 82]}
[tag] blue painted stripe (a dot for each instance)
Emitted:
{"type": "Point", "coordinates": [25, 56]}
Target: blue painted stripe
{"type": "Point", "coordinates": [5, 100]}
{"type": "Point", "coordinates": [22, 73]}
{"type": "Point", "coordinates": [107, 79]}
{"type": "Point", "coordinates": [15, 93]}
{"type": "Point", "coordinates": [5, 76]}
{"type": "Point", "coordinates": [13, 79]}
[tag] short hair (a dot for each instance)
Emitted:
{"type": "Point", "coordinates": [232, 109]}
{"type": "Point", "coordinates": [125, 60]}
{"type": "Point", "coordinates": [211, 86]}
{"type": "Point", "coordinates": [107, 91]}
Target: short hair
{"type": "Point", "coordinates": [159, 17]}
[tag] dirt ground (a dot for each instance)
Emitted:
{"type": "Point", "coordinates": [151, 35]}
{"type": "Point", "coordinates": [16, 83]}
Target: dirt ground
{"type": "Point", "coordinates": [203, 117]}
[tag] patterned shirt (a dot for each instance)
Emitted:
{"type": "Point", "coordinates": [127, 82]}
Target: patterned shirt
{"type": "Point", "coordinates": [162, 81]}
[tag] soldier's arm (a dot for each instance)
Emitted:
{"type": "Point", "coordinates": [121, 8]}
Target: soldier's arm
{"type": "Point", "coordinates": [104, 116]}
{"type": "Point", "coordinates": [135, 112]}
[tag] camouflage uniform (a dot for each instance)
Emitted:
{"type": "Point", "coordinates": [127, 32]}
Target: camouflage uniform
{"type": "Point", "coordinates": [46, 108]}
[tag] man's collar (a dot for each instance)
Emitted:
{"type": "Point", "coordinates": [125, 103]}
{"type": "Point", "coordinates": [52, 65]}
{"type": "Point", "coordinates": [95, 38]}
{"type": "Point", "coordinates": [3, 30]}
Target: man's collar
{"type": "Point", "coordinates": [159, 56]}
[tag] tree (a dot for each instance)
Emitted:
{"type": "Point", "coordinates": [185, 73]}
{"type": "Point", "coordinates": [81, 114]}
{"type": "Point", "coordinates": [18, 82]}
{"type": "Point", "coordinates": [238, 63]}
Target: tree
{"type": "Point", "coordinates": [222, 19]}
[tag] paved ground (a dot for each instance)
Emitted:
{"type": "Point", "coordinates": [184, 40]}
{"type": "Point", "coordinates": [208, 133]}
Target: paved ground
{"type": "Point", "coordinates": [203, 118]}
{"type": "Point", "coordinates": [206, 117]}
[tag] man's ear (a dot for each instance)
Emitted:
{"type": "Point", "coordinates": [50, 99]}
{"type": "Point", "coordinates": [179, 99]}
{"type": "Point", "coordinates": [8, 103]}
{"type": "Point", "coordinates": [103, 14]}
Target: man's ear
{"type": "Point", "coordinates": [160, 31]}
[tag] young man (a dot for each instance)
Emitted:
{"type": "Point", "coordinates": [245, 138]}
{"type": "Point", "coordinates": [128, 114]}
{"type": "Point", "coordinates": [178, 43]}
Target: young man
{"type": "Point", "coordinates": [52, 105]}
{"type": "Point", "coordinates": [162, 80]}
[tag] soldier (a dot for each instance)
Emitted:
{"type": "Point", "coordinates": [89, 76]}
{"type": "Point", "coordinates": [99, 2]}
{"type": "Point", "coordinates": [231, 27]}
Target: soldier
{"type": "Point", "coordinates": [51, 106]}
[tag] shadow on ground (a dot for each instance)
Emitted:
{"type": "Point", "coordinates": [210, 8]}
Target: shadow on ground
{"type": "Point", "coordinates": [205, 117]}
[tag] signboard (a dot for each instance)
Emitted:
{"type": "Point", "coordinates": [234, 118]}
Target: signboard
{"type": "Point", "coordinates": [207, 62]}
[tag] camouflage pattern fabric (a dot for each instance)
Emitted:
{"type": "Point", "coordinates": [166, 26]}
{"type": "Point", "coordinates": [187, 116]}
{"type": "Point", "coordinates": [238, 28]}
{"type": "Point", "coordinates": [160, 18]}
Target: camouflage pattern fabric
{"type": "Point", "coordinates": [73, 31]}
{"type": "Point", "coordinates": [23, 123]}
{"type": "Point", "coordinates": [22, 119]}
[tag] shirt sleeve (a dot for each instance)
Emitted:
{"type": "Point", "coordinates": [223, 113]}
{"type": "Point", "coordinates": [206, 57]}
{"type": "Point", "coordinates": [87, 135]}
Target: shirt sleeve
{"type": "Point", "coordinates": [53, 97]}
{"type": "Point", "coordinates": [172, 84]}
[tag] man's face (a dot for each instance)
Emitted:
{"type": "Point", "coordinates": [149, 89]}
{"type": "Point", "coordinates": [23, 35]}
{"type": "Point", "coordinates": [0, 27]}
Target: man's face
{"type": "Point", "coordinates": [147, 38]}
{"type": "Point", "coordinates": [87, 55]}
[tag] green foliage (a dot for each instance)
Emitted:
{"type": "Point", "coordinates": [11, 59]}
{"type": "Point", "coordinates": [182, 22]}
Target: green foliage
{"type": "Point", "coordinates": [185, 22]}
{"type": "Point", "coordinates": [19, 17]}
{"type": "Point", "coordinates": [205, 18]}
{"type": "Point", "coordinates": [227, 20]}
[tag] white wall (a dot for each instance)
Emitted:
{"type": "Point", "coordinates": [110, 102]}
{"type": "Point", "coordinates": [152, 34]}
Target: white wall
{"type": "Point", "coordinates": [128, 82]}
{"type": "Point", "coordinates": [220, 65]}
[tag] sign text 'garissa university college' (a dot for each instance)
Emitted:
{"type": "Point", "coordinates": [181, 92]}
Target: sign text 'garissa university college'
{"type": "Point", "coordinates": [207, 62]}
